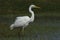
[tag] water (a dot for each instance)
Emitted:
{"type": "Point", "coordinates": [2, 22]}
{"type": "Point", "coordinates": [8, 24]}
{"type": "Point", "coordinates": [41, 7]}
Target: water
{"type": "Point", "coordinates": [43, 28]}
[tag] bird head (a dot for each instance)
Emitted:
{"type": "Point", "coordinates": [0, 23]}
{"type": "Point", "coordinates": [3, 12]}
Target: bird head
{"type": "Point", "coordinates": [34, 6]}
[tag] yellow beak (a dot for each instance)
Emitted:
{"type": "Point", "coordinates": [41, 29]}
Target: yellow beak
{"type": "Point", "coordinates": [37, 7]}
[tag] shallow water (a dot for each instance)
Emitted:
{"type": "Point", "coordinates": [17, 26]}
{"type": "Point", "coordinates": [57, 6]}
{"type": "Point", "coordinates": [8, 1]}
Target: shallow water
{"type": "Point", "coordinates": [43, 28]}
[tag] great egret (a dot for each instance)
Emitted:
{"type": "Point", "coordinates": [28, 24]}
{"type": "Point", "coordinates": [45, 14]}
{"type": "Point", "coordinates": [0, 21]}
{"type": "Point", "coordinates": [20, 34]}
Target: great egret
{"type": "Point", "coordinates": [24, 20]}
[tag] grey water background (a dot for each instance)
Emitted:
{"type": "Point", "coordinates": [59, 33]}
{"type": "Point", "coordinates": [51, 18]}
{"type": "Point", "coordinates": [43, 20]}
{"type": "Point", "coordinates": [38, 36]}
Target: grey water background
{"type": "Point", "coordinates": [45, 27]}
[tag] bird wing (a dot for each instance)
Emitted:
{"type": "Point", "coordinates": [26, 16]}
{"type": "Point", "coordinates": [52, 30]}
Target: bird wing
{"type": "Point", "coordinates": [20, 21]}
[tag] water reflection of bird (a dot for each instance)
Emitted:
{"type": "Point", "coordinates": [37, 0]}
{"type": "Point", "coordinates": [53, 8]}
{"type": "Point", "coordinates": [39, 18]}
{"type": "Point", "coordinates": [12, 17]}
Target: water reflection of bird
{"type": "Point", "coordinates": [24, 20]}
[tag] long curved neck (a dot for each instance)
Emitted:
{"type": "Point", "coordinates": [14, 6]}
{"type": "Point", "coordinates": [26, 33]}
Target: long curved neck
{"type": "Point", "coordinates": [32, 17]}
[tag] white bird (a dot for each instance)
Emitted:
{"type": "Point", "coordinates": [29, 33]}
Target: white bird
{"type": "Point", "coordinates": [24, 21]}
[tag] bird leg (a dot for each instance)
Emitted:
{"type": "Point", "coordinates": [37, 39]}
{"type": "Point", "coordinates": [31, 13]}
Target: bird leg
{"type": "Point", "coordinates": [22, 31]}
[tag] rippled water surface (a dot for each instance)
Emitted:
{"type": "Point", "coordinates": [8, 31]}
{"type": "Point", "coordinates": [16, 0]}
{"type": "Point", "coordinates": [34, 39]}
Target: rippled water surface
{"type": "Point", "coordinates": [43, 28]}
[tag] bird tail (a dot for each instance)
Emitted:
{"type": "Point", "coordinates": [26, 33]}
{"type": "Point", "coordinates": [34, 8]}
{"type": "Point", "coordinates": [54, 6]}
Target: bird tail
{"type": "Point", "coordinates": [11, 27]}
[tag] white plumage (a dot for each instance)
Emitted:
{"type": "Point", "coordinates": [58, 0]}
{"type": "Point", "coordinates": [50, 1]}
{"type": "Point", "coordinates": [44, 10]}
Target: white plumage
{"type": "Point", "coordinates": [24, 20]}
